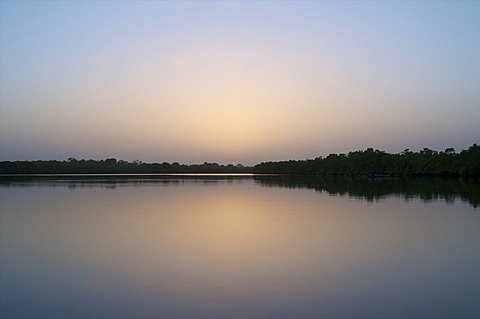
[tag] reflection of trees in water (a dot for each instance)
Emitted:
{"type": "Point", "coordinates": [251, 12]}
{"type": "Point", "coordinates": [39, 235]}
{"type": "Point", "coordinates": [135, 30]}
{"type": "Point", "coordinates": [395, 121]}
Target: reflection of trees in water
{"type": "Point", "coordinates": [114, 181]}
{"type": "Point", "coordinates": [372, 189]}
{"type": "Point", "coordinates": [368, 188]}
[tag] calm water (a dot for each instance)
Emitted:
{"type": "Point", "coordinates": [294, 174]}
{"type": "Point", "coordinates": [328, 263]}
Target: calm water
{"type": "Point", "coordinates": [225, 247]}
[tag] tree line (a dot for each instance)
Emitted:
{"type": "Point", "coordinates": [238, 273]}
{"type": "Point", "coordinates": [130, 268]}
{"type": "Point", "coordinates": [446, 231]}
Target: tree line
{"type": "Point", "coordinates": [376, 162]}
{"type": "Point", "coordinates": [367, 162]}
{"type": "Point", "coordinates": [113, 166]}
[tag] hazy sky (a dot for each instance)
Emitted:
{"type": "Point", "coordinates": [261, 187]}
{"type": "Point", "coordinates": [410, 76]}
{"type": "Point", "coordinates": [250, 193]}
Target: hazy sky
{"type": "Point", "coordinates": [236, 82]}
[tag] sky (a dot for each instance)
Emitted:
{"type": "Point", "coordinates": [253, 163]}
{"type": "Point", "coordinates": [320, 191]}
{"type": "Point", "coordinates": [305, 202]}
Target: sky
{"type": "Point", "coordinates": [236, 82]}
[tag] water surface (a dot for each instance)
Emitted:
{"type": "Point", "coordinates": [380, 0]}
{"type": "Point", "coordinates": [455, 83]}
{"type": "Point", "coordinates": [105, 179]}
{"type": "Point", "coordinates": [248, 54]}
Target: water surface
{"type": "Point", "coordinates": [238, 247]}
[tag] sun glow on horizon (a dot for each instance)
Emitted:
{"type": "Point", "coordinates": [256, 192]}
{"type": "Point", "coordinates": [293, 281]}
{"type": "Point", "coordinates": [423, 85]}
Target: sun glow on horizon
{"type": "Point", "coordinates": [235, 82]}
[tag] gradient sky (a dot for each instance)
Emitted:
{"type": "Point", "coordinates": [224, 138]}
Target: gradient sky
{"type": "Point", "coordinates": [236, 82]}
